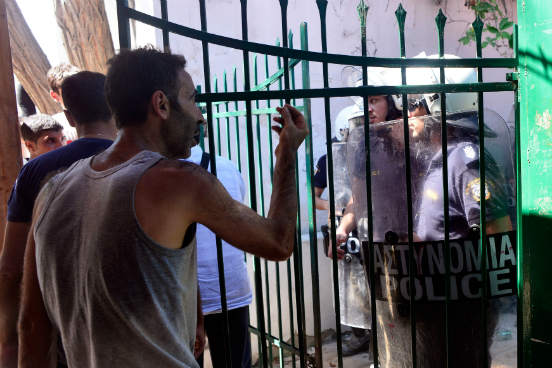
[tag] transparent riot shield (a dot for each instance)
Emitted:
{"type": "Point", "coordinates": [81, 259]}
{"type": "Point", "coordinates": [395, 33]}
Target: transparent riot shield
{"type": "Point", "coordinates": [462, 314]}
{"type": "Point", "coordinates": [353, 287]}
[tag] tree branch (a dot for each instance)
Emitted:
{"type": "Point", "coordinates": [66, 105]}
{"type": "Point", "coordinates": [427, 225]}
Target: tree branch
{"type": "Point", "coordinates": [86, 35]}
{"type": "Point", "coordinates": [30, 64]}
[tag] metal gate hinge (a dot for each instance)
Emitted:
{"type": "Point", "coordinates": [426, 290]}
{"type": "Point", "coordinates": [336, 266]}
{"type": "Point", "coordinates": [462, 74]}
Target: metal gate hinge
{"type": "Point", "coordinates": [512, 77]}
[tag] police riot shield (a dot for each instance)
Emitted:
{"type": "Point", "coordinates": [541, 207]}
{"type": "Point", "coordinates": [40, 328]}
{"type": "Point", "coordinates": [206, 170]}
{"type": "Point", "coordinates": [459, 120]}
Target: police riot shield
{"type": "Point", "coordinates": [462, 315]}
{"type": "Point", "coordinates": [353, 287]}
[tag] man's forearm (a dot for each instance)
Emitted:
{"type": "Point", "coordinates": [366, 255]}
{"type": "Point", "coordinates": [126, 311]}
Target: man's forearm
{"type": "Point", "coordinates": [347, 223]}
{"type": "Point", "coordinates": [283, 202]}
{"type": "Point", "coordinates": [321, 204]}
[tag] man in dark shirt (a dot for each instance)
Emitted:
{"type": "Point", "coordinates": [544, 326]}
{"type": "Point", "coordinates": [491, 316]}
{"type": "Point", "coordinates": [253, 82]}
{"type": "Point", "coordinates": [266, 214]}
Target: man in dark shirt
{"type": "Point", "coordinates": [87, 110]}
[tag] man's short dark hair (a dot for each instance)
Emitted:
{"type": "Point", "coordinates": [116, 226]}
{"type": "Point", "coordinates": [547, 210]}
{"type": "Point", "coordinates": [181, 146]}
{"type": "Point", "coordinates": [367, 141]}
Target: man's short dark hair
{"type": "Point", "coordinates": [24, 102]}
{"type": "Point", "coordinates": [84, 97]}
{"type": "Point", "coordinates": [57, 74]}
{"type": "Point", "coordinates": [132, 78]}
{"type": "Point", "coordinates": [32, 126]}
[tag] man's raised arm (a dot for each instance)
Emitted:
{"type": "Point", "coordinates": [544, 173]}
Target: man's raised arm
{"type": "Point", "coordinates": [270, 237]}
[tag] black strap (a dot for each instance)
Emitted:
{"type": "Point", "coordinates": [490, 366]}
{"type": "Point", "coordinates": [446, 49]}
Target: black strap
{"type": "Point", "coordinates": [204, 160]}
{"type": "Point", "coordinates": [191, 230]}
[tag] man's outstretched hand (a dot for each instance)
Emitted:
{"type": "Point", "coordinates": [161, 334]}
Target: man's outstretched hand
{"type": "Point", "coordinates": [293, 129]}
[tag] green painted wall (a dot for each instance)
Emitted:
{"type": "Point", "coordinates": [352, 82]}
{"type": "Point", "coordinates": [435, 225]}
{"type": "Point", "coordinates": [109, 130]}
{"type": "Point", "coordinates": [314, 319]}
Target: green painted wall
{"type": "Point", "coordinates": [535, 231]}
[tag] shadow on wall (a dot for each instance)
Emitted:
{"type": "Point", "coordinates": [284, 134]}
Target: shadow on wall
{"type": "Point", "coordinates": [540, 64]}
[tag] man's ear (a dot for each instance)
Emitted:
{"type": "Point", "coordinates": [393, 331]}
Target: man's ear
{"type": "Point", "coordinates": [160, 104]}
{"type": "Point", "coordinates": [31, 146]}
{"type": "Point", "coordinates": [70, 118]}
{"type": "Point", "coordinates": [55, 96]}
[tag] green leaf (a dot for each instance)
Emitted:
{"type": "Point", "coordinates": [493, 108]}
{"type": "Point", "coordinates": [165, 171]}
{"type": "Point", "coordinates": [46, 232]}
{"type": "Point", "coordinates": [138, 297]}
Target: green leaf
{"type": "Point", "coordinates": [505, 35]}
{"type": "Point", "coordinates": [492, 29]}
{"type": "Point", "coordinates": [464, 40]}
{"type": "Point", "coordinates": [484, 44]}
{"type": "Point", "coordinates": [483, 7]}
{"type": "Point", "coordinates": [505, 23]}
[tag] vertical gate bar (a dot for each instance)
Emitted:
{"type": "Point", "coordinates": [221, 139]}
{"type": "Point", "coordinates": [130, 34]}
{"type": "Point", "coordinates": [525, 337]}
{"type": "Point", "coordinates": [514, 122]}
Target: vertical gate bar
{"type": "Point", "coordinates": [259, 153]}
{"type": "Point", "coordinates": [298, 259]}
{"type": "Point", "coordinates": [401, 17]}
{"type": "Point", "coordinates": [219, 150]}
{"type": "Point", "coordinates": [478, 28]}
{"type": "Point", "coordinates": [269, 322]}
{"type": "Point", "coordinates": [299, 263]}
{"type": "Point", "coordinates": [297, 256]}
{"type": "Point", "coordinates": [301, 322]}
{"type": "Point", "coordinates": [261, 195]}
{"type": "Point", "coordinates": [124, 24]}
{"type": "Point", "coordinates": [322, 6]}
{"type": "Point", "coordinates": [362, 11]}
{"type": "Point", "coordinates": [269, 124]}
{"type": "Point", "coordinates": [228, 144]}
{"type": "Point", "coordinates": [519, 217]}
{"type": "Point", "coordinates": [283, 12]}
{"type": "Point", "coordinates": [309, 163]}
{"type": "Point", "coordinates": [201, 128]}
{"type": "Point", "coordinates": [165, 16]}
{"type": "Point", "coordinates": [279, 63]}
{"type": "Point", "coordinates": [290, 296]}
{"type": "Point", "coordinates": [292, 70]}
{"type": "Point", "coordinates": [252, 188]}
{"type": "Point", "coordinates": [220, 261]}
{"type": "Point", "coordinates": [276, 264]}
{"type": "Point", "coordinates": [237, 121]}
{"type": "Point", "coordinates": [298, 273]}
{"type": "Point", "coordinates": [440, 20]}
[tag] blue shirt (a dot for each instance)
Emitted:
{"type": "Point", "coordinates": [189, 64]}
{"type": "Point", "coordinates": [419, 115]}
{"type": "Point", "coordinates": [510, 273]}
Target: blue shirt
{"type": "Point", "coordinates": [31, 177]}
{"type": "Point", "coordinates": [464, 194]}
{"type": "Point", "coordinates": [319, 180]}
{"type": "Point", "coordinates": [238, 291]}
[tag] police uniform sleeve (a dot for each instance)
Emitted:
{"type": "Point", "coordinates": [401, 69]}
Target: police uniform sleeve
{"type": "Point", "coordinates": [467, 186]}
{"type": "Point", "coordinates": [319, 180]}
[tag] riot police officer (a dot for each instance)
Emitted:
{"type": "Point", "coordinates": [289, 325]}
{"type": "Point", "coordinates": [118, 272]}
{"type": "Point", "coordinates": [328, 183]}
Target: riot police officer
{"type": "Point", "coordinates": [353, 287]}
{"type": "Point", "coordinates": [464, 196]}
{"type": "Point", "coordinates": [389, 218]}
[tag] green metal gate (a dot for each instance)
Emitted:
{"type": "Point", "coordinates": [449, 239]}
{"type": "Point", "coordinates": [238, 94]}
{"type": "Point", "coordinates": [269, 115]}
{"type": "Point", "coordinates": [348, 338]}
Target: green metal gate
{"type": "Point", "coordinates": [246, 112]}
{"type": "Point", "coordinates": [534, 205]}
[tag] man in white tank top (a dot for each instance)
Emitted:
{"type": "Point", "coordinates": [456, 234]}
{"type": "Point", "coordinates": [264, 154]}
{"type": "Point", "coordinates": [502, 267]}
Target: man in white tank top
{"type": "Point", "coordinates": [116, 300]}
